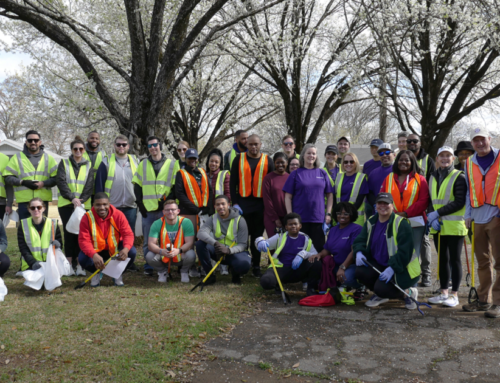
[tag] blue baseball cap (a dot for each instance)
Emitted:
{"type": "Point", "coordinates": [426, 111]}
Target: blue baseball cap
{"type": "Point", "coordinates": [376, 142]}
{"type": "Point", "coordinates": [192, 153]}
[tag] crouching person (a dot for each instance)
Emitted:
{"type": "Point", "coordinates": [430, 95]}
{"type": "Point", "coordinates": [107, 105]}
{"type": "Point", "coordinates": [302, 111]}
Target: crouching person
{"type": "Point", "coordinates": [4, 258]}
{"type": "Point", "coordinates": [291, 249]}
{"type": "Point", "coordinates": [104, 232]}
{"type": "Point", "coordinates": [176, 240]}
{"type": "Point", "coordinates": [386, 242]}
{"type": "Point", "coordinates": [225, 234]}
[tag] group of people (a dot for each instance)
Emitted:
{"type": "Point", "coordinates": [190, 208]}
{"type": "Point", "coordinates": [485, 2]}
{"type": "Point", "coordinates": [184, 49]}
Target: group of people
{"type": "Point", "coordinates": [365, 224]}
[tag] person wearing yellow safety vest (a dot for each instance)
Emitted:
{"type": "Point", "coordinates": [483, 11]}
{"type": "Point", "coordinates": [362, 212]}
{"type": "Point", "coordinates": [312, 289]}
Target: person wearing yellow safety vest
{"type": "Point", "coordinates": [218, 178]}
{"type": "Point", "coordinates": [239, 146]}
{"type": "Point", "coordinates": [153, 182]}
{"type": "Point", "coordinates": [225, 234]}
{"type": "Point", "coordinates": [32, 173]}
{"type": "Point", "coordinates": [6, 190]}
{"type": "Point", "coordinates": [386, 242]}
{"type": "Point", "coordinates": [291, 249]}
{"type": "Point", "coordinates": [75, 181]}
{"type": "Point", "coordinates": [246, 185]}
{"type": "Point", "coordinates": [93, 152]}
{"type": "Point", "coordinates": [448, 191]}
{"type": "Point", "coordinates": [35, 235]}
{"type": "Point", "coordinates": [288, 147]}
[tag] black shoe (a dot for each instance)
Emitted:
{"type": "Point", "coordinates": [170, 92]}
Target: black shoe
{"type": "Point", "coordinates": [493, 312]}
{"type": "Point", "coordinates": [256, 272]}
{"type": "Point", "coordinates": [425, 281]}
{"type": "Point", "coordinates": [236, 279]}
{"type": "Point", "coordinates": [476, 306]}
{"type": "Point", "coordinates": [148, 272]}
{"type": "Point", "coordinates": [359, 294]}
{"type": "Point", "coordinates": [311, 291]}
{"type": "Point", "coordinates": [132, 267]}
{"type": "Point", "coordinates": [210, 281]}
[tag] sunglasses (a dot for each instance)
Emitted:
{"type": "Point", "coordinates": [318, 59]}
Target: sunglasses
{"type": "Point", "coordinates": [121, 144]}
{"type": "Point", "coordinates": [33, 208]}
{"type": "Point", "coordinates": [33, 140]}
{"type": "Point", "coordinates": [349, 162]}
{"type": "Point", "coordinates": [78, 149]}
{"type": "Point", "coordinates": [181, 150]}
{"type": "Point", "coordinates": [412, 141]}
{"type": "Point", "coordinates": [386, 153]}
{"type": "Point", "coordinates": [152, 145]}
{"type": "Point", "coordinates": [288, 143]}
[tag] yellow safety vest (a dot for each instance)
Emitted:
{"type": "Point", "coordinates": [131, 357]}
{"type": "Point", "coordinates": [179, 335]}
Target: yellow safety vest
{"type": "Point", "coordinates": [111, 165]}
{"type": "Point", "coordinates": [219, 184]}
{"type": "Point", "coordinates": [424, 163]}
{"type": "Point", "coordinates": [229, 239]}
{"type": "Point", "coordinates": [38, 245]}
{"type": "Point", "coordinates": [354, 194]}
{"type": "Point", "coordinates": [101, 155]}
{"type": "Point", "coordinates": [281, 245]}
{"type": "Point", "coordinates": [4, 160]}
{"type": "Point", "coordinates": [332, 182]}
{"type": "Point", "coordinates": [76, 185]}
{"type": "Point", "coordinates": [232, 157]}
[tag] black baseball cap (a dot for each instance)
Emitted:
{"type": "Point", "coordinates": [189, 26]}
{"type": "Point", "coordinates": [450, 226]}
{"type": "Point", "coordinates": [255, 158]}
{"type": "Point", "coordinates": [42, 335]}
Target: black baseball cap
{"type": "Point", "coordinates": [384, 197]}
{"type": "Point", "coordinates": [376, 142]}
{"type": "Point", "coordinates": [332, 148]}
{"type": "Point", "coordinates": [192, 153]}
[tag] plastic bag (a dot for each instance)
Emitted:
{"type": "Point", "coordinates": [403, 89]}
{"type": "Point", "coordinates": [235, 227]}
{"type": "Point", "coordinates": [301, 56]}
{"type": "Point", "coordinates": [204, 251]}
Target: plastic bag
{"type": "Point", "coordinates": [62, 264]}
{"type": "Point", "coordinates": [6, 220]}
{"type": "Point", "coordinates": [3, 290]}
{"type": "Point", "coordinates": [138, 224]}
{"type": "Point", "coordinates": [73, 225]}
{"type": "Point", "coordinates": [52, 276]}
{"type": "Point", "coordinates": [33, 279]}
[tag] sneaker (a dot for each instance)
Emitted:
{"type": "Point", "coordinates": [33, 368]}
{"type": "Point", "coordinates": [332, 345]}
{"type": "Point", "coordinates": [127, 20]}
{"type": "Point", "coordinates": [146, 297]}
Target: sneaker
{"type": "Point", "coordinates": [256, 272]}
{"type": "Point", "coordinates": [80, 271]}
{"type": "Point", "coordinates": [236, 279]}
{"type": "Point", "coordinates": [71, 272]}
{"type": "Point", "coordinates": [452, 301]}
{"type": "Point", "coordinates": [132, 267]}
{"type": "Point", "coordinates": [476, 306]}
{"type": "Point", "coordinates": [148, 272]}
{"type": "Point", "coordinates": [359, 294]}
{"type": "Point", "coordinates": [96, 280]}
{"type": "Point", "coordinates": [304, 286]}
{"type": "Point", "coordinates": [425, 283]}
{"type": "Point", "coordinates": [438, 299]}
{"type": "Point", "coordinates": [193, 272]}
{"type": "Point", "coordinates": [409, 304]}
{"type": "Point", "coordinates": [375, 301]}
{"type": "Point", "coordinates": [493, 312]}
{"type": "Point", "coordinates": [224, 270]}
{"type": "Point", "coordinates": [119, 281]}
{"type": "Point", "coordinates": [202, 272]}
{"type": "Point", "coordinates": [162, 276]}
{"type": "Point", "coordinates": [184, 277]}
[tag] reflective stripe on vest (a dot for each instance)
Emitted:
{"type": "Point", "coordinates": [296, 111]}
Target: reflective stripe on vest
{"type": "Point", "coordinates": [489, 192]}
{"type": "Point", "coordinates": [232, 156]}
{"type": "Point", "coordinates": [75, 184]}
{"type": "Point", "coordinates": [354, 193]}
{"type": "Point", "coordinates": [165, 239]}
{"type": "Point", "coordinates": [219, 184]}
{"type": "Point", "coordinates": [404, 200]}
{"type": "Point", "coordinates": [199, 197]}
{"type": "Point", "coordinates": [249, 186]}
{"type": "Point", "coordinates": [281, 245]}
{"type": "Point", "coordinates": [111, 165]}
{"type": "Point", "coordinates": [98, 159]}
{"type": "Point", "coordinates": [98, 241]}
{"type": "Point", "coordinates": [154, 188]}
{"type": "Point", "coordinates": [38, 245]}
{"type": "Point", "coordinates": [4, 160]}
{"type": "Point", "coordinates": [424, 164]}
{"type": "Point", "coordinates": [452, 224]}
{"type": "Point", "coordinates": [232, 231]}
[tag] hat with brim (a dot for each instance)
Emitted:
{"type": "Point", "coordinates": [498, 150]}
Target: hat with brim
{"type": "Point", "coordinates": [384, 197]}
{"type": "Point", "coordinates": [332, 149]}
{"type": "Point", "coordinates": [445, 149]}
{"type": "Point", "coordinates": [464, 145]}
{"type": "Point", "coordinates": [192, 153]}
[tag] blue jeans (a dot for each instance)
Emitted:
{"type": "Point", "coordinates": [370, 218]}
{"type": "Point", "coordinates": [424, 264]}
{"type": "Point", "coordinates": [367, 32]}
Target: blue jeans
{"type": "Point", "coordinates": [350, 278]}
{"type": "Point", "coordinates": [130, 214]}
{"type": "Point", "coordinates": [240, 262]}
{"type": "Point", "coordinates": [22, 210]}
{"type": "Point", "coordinates": [146, 225]}
{"type": "Point", "coordinates": [88, 263]}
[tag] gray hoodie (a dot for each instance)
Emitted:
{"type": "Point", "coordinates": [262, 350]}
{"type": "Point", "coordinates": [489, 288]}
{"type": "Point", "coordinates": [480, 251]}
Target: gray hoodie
{"type": "Point", "coordinates": [206, 232]}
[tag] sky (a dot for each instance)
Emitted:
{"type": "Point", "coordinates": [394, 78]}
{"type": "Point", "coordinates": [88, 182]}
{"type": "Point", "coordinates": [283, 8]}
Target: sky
{"type": "Point", "coordinates": [12, 62]}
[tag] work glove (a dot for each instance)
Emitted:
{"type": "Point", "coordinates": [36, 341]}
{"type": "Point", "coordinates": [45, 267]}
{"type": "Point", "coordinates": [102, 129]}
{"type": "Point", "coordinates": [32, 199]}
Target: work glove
{"type": "Point", "coordinates": [387, 274]}
{"type": "Point", "coordinates": [360, 259]}
{"type": "Point", "coordinates": [261, 244]}
{"type": "Point", "coordinates": [56, 244]}
{"type": "Point", "coordinates": [326, 227]}
{"type": "Point", "coordinates": [29, 184]}
{"type": "Point", "coordinates": [238, 208]}
{"type": "Point", "coordinates": [36, 266]}
{"type": "Point", "coordinates": [297, 261]}
{"type": "Point", "coordinates": [433, 215]}
{"type": "Point", "coordinates": [143, 210]}
{"type": "Point", "coordinates": [436, 225]}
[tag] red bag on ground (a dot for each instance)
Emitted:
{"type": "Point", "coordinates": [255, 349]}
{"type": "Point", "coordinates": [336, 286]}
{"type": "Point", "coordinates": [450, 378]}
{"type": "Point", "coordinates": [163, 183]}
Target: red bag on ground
{"type": "Point", "coordinates": [323, 300]}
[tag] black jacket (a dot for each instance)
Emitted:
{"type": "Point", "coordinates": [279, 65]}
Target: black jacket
{"type": "Point", "coordinates": [459, 192]}
{"type": "Point", "coordinates": [62, 182]}
{"type": "Point", "coordinates": [185, 205]}
{"type": "Point", "coordinates": [431, 168]}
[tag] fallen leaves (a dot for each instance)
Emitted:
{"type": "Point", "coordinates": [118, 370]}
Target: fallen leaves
{"type": "Point", "coordinates": [171, 374]}
{"type": "Point", "coordinates": [296, 365]}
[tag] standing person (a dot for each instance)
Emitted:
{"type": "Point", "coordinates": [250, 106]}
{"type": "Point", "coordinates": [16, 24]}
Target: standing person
{"type": "Point", "coordinates": [288, 146]}
{"type": "Point", "coordinates": [463, 152]}
{"type": "Point", "coordinates": [482, 206]}
{"type": "Point", "coordinates": [4, 258]}
{"type": "Point", "coordinates": [32, 173]}
{"type": "Point", "coordinates": [305, 192]}
{"type": "Point", "coordinates": [274, 196]}
{"type": "Point", "coordinates": [171, 240]}
{"type": "Point", "coordinates": [6, 190]}
{"type": "Point", "coordinates": [410, 192]}
{"type": "Point", "coordinates": [402, 137]}
{"type": "Point", "coordinates": [448, 191]}
{"type": "Point", "coordinates": [182, 148]}
{"type": "Point", "coordinates": [377, 177]}
{"type": "Point", "coordinates": [75, 181]}
{"type": "Point", "coordinates": [374, 163]}
{"type": "Point", "coordinates": [218, 178]}
{"type": "Point", "coordinates": [239, 146]}
{"type": "Point", "coordinates": [153, 182]}
{"type": "Point", "coordinates": [93, 151]}
{"type": "Point", "coordinates": [293, 164]}
{"type": "Point", "coordinates": [351, 185]}
{"type": "Point", "coordinates": [246, 184]}
{"type": "Point", "coordinates": [344, 145]}
{"type": "Point", "coordinates": [331, 168]}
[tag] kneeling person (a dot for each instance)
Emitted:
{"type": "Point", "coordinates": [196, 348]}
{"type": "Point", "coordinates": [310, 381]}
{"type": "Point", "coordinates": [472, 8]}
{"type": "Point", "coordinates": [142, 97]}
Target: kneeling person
{"type": "Point", "coordinates": [291, 249]}
{"type": "Point", "coordinates": [104, 232]}
{"type": "Point", "coordinates": [175, 233]}
{"type": "Point", "coordinates": [225, 234]}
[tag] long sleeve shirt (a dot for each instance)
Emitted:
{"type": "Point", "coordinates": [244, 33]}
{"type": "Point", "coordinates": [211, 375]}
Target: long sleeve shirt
{"type": "Point", "coordinates": [23, 246]}
{"type": "Point", "coordinates": [419, 206]}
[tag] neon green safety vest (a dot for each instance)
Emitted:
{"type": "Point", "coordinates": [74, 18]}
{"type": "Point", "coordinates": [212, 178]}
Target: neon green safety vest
{"type": "Point", "coordinates": [20, 166]}
{"type": "Point", "coordinates": [354, 193]}
{"type": "Point", "coordinates": [423, 163]}
{"type": "Point", "coordinates": [232, 156]}
{"type": "Point", "coordinates": [281, 245]}
{"type": "Point", "coordinates": [332, 182]}
{"type": "Point", "coordinates": [219, 184]}
{"type": "Point", "coordinates": [232, 231]}
{"type": "Point", "coordinates": [76, 185]}
{"type": "Point", "coordinates": [392, 246]}
{"type": "Point", "coordinates": [453, 224]}
{"type": "Point", "coordinates": [154, 188]}
{"type": "Point", "coordinates": [38, 245]}
{"type": "Point", "coordinates": [177, 166]}
{"type": "Point", "coordinates": [101, 155]}
{"type": "Point", "coordinates": [111, 165]}
{"type": "Point", "coordinates": [4, 160]}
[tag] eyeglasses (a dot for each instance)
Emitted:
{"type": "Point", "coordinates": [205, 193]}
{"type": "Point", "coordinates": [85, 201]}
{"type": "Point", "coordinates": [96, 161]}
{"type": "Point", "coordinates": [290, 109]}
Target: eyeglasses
{"type": "Point", "coordinates": [412, 141]}
{"type": "Point", "coordinates": [33, 140]}
{"type": "Point", "coordinates": [33, 208]}
{"type": "Point", "coordinates": [182, 150]}
{"type": "Point", "coordinates": [288, 143]}
{"type": "Point", "coordinates": [152, 145]}
{"type": "Point", "coordinates": [169, 210]}
{"type": "Point", "coordinates": [122, 144]}
{"type": "Point", "coordinates": [349, 162]}
{"type": "Point", "coordinates": [386, 153]}
{"type": "Point", "coordinates": [78, 149]}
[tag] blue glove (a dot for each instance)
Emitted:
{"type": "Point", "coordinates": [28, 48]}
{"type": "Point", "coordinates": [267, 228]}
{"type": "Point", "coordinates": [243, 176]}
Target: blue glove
{"type": "Point", "coordinates": [297, 261]}
{"type": "Point", "coordinates": [433, 215]}
{"type": "Point", "coordinates": [261, 244]}
{"type": "Point", "coordinates": [326, 227]}
{"type": "Point", "coordinates": [239, 209]}
{"type": "Point", "coordinates": [360, 259]}
{"type": "Point", "coordinates": [436, 225]}
{"type": "Point", "coordinates": [387, 274]}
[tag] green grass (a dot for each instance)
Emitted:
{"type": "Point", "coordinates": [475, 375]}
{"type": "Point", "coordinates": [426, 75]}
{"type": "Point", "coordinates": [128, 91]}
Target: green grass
{"type": "Point", "coordinates": [137, 333]}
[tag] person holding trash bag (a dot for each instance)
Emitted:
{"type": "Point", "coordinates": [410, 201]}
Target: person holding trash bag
{"type": "Point", "coordinates": [75, 181]}
{"type": "Point", "coordinates": [225, 234]}
{"type": "Point", "coordinates": [274, 196]}
{"type": "Point", "coordinates": [104, 232]}
{"type": "Point", "coordinates": [292, 249]}
{"type": "Point", "coordinates": [386, 241]}
{"type": "Point", "coordinates": [171, 240]}
{"type": "Point", "coordinates": [35, 235]}
{"type": "Point", "coordinates": [4, 258]}
{"type": "Point", "coordinates": [448, 191]}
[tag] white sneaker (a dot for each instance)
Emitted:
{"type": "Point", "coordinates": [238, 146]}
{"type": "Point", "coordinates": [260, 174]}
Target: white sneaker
{"type": "Point", "coordinates": [375, 301]}
{"type": "Point", "coordinates": [119, 281]}
{"type": "Point", "coordinates": [438, 300]}
{"type": "Point", "coordinates": [80, 271]}
{"type": "Point", "coordinates": [96, 280]}
{"type": "Point", "coordinates": [224, 270]}
{"type": "Point", "coordinates": [304, 286]}
{"type": "Point", "coordinates": [194, 273]}
{"type": "Point", "coordinates": [452, 301]}
{"type": "Point", "coordinates": [163, 276]}
{"type": "Point", "coordinates": [409, 304]}
{"type": "Point", "coordinates": [184, 277]}
{"type": "Point", "coordinates": [71, 272]}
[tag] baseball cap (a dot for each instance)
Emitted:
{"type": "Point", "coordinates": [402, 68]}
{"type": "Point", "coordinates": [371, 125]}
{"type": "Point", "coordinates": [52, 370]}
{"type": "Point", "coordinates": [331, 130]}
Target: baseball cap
{"type": "Point", "coordinates": [384, 197]}
{"type": "Point", "coordinates": [192, 153]}
{"type": "Point", "coordinates": [332, 148]}
{"type": "Point", "coordinates": [376, 142]}
{"type": "Point", "coordinates": [385, 145]}
{"type": "Point", "coordinates": [445, 149]}
{"type": "Point", "coordinates": [343, 138]}
{"type": "Point", "coordinates": [479, 132]}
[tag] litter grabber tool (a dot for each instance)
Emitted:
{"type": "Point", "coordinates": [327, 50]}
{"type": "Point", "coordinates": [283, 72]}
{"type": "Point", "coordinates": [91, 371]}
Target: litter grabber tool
{"type": "Point", "coordinates": [93, 275]}
{"type": "Point", "coordinates": [467, 278]}
{"type": "Point", "coordinates": [286, 298]}
{"type": "Point", "coordinates": [473, 298]}
{"type": "Point", "coordinates": [202, 283]}
{"type": "Point", "coordinates": [400, 289]}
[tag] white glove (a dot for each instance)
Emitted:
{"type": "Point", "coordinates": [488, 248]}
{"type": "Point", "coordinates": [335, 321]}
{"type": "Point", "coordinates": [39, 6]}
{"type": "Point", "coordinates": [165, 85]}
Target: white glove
{"type": "Point", "coordinates": [303, 254]}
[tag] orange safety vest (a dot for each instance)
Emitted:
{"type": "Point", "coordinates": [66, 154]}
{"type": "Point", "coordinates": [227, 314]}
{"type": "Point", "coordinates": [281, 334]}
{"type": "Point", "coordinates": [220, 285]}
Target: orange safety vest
{"type": "Point", "coordinates": [100, 243]}
{"type": "Point", "coordinates": [489, 194]}
{"type": "Point", "coordinates": [195, 195]}
{"type": "Point", "coordinates": [165, 239]}
{"type": "Point", "coordinates": [249, 186]}
{"type": "Point", "coordinates": [402, 200]}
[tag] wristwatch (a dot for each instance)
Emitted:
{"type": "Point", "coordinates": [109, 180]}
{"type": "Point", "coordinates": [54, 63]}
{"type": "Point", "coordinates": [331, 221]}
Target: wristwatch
{"type": "Point", "coordinates": [342, 267]}
{"type": "Point", "coordinates": [180, 250]}
{"type": "Point", "coordinates": [329, 214]}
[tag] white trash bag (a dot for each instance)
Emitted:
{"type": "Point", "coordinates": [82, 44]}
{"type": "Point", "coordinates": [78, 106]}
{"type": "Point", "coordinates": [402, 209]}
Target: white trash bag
{"type": "Point", "coordinates": [73, 225]}
{"type": "Point", "coordinates": [6, 220]}
{"type": "Point", "coordinates": [52, 275]}
{"type": "Point", "coordinates": [33, 279]}
{"type": "Point", "coordinates": [62, 264]}
{"type": "Point", "coordinates": [138, 224]}
{"type": "Point", "coordinates": [3, 290]}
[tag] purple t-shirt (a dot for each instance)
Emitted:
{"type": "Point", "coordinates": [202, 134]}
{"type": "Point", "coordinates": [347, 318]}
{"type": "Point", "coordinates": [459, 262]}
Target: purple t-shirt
{"type": "Point", "coordinates": [378, 247]}
{"type": "Point", "coordinates": [486, 161]}
{"type": "Point", "coordinates": [340, 241]}
{"type": "Point", "coordinates": [308, 188]}
{"type": "Point", "coordinates": [347, 185]}
{"type": "Point", "coordinates": [370, 166]}
{"type": "Point", "coordinates": [376, 179]}
{"type": "Point", "coordinates": [292, 247]}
